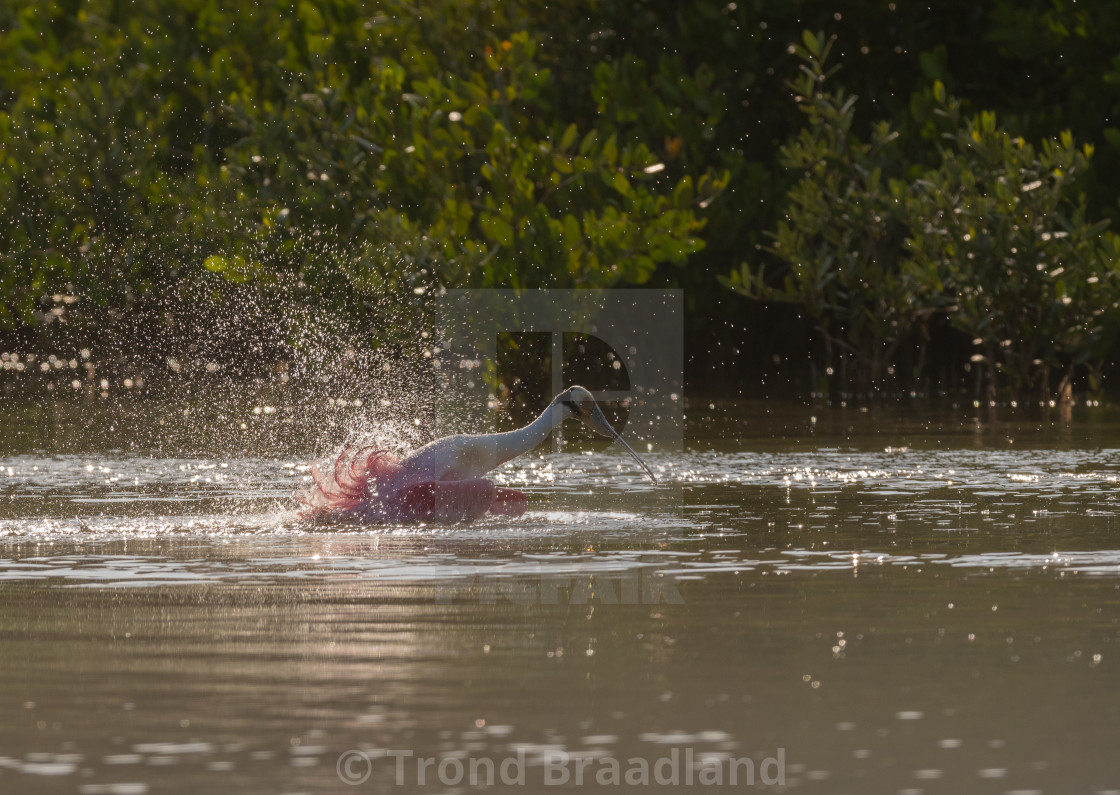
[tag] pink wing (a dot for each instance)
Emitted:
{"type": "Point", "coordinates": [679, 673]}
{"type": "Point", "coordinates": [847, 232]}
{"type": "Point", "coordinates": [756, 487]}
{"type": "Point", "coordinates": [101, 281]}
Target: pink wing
{"type": "Point", "coordinates": [346, 487]}
{"type": "Point", "coordinates": [455, 501]}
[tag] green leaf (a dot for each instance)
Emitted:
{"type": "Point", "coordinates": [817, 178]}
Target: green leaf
{"type": "Point", "coordinates": [569, 137]}
{"type": "Point", "coordinates": [621, 183]}
{"type": "Point", "coordinates": [588, 142]}
{"type": "Point", "coordinates": [610, 151]}
{"type": "Point", "coordinates": [497, 230]}
{"type": "Point", "coordinates": [683, 194]}
{"type": "Point", "coordinates": [812, 43]}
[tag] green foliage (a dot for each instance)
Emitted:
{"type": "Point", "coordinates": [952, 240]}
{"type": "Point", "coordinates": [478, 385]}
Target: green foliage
{"type": "Point", "coordinates": [357, 153]}
{"type": "Point", "coordinates": [993, 238]}
{"type": "Point", "coordinates": [840, 237]}
{"type": "Point", "coordinates": [162, 144]}
{"type": "Point", "coordinates": [480, 192]}
{"type": "Point", "coordinates": [999, 240]}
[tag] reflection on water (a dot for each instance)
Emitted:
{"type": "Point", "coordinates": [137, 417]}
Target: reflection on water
{"type": "Point", "coordinates": [880, 607]}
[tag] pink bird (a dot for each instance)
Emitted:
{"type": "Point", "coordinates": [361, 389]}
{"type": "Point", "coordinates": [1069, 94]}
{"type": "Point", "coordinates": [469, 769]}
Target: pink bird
{"type": "Point", "coordinates": [442, 481]}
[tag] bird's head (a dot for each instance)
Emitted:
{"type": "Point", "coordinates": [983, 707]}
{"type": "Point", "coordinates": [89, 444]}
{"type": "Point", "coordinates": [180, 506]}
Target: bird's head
{"type": "Point", "coordinates": [580, 405]}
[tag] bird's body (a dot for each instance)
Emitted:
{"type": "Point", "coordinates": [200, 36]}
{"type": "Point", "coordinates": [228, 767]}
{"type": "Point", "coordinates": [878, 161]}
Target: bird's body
{"type": "Point", "coordinates": [467, 456]}
{"type": "Point", "coordinates": [443, 480]}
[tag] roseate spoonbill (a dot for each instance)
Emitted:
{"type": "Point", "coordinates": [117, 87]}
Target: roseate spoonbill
{"type": "Point", "coordinates": [442, 481]}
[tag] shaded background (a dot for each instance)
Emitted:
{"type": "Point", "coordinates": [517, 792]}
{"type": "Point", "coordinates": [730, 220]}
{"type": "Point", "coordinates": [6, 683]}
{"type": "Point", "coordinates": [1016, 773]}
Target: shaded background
{"type": "Point", "coordinates": [181, 181]}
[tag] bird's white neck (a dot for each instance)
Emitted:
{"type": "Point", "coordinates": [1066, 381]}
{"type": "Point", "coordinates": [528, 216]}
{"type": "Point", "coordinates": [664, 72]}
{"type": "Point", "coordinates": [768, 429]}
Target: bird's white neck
{"type": "Point", "coordinates": [464, 456]}
{"type": "Point", "coordinates": [511, 444]}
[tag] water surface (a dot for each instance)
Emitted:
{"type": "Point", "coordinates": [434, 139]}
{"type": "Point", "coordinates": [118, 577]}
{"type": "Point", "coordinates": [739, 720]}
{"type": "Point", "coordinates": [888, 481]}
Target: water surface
{"type": "Point", "coordinates": [883, 602]}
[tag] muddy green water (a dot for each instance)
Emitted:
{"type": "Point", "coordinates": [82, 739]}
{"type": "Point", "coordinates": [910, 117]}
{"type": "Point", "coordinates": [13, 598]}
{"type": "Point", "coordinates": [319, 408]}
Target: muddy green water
{"type": "Point", "coordinates": [827, 601]}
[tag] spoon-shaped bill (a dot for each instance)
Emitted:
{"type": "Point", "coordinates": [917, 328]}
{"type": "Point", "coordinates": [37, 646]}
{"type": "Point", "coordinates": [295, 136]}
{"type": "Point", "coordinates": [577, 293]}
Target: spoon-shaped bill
{"type": "Point", "coordinates": [598, 423]}
{"type": "Point", "coordinates": [634, 455]}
